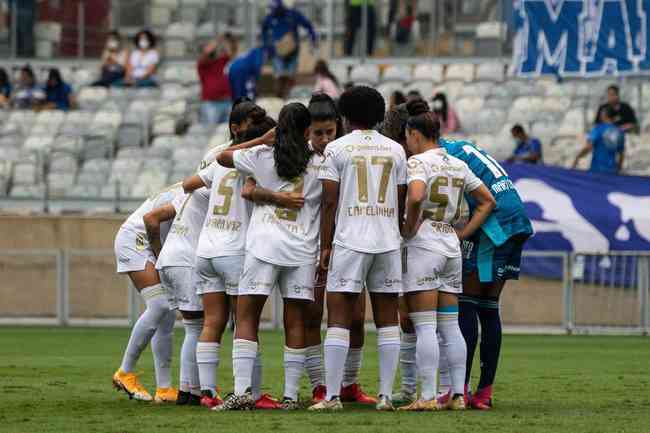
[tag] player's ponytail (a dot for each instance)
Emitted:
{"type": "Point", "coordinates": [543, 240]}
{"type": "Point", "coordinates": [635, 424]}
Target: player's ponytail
{"type": "Point", "coordinates": [323, 108]}
{"type": "Point", "coordinates": [423, 120]}
{"type": "Point", "coordinates": [291, 151]}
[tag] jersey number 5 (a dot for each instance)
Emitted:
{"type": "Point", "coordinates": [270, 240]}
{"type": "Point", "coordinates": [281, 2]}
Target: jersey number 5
{"type": "Point", "coordinates": [442, 200]}
{"type": "Point", "coordinates": [361, 163]}
{"type": "Point", "coordinates": [227, 192]}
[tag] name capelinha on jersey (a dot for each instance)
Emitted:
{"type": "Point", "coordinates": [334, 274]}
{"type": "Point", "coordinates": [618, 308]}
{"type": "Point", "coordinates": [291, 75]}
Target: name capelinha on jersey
{"type": "Point", "coordinates": [388, 212]}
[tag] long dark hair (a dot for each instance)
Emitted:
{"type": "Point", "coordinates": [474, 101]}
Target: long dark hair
{"type": "Point", "coordinates": [423, 120]}
{"type": "Point", "coordinates": [54, 75]}
{"type": "Point", "coordinates": [441, 99]}
{"type": "Point", "coordinates": [323, 108]}
{"type": "Point", "coordinates": [394, 124]}
{"type": "Point", "coordinates": [242, 110]}
{"type": "Point", "coordinates": [257, 129]}
{"type": "Point", "coordinates": [321, 68]}
{"type": "Point", "coordinates": [291, 151]}
{"type": "Point", "coordinates": [4, 77]}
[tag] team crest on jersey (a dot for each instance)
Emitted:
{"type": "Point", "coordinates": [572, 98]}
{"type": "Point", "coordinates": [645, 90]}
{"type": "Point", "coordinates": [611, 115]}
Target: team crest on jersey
{"type": "Point", "coordinates": [349, 148]}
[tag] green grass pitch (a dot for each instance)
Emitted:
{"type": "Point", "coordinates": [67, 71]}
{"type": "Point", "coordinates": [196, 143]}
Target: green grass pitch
{"type": "Point", "coordinates": [59, 380]}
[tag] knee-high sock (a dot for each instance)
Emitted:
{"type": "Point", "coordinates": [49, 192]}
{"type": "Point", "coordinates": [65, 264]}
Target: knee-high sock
{"type": "Point", "coordinates": [314, 365]}
{"type": "Point", "coordinates": [388, 349]}
{"type": "Point", "coordinates": [244, 353]}
{"type": "Point", "coordinates": [162, 346]}
{"type": "Point", "coordinates": [468, 321]}
{"type": "Point", "coordinates": [256, 378]}
{"type": "Point", "coordinates": [427, 351]}
{"type": "Point", "coordinates": [453, 348]}
{"type": "Point", "coordinates": [189, 380]}
{"type": "Point", "coordinates": [207, 360]}
{"type": "Point", "coordinates": [294, 364]}
{"type": "Point", "coordinates": [444, 380]}
{"type": "Point", "coordinates": [407, 362]}
{"type": "Point", "coordinates": [337, 343]}
{"type": "Point", "coordinates": [157, 307]}
{"type": "Point", "coordinates": [488, 313]}
{"type": "Point", "coordinates": [352, 366]}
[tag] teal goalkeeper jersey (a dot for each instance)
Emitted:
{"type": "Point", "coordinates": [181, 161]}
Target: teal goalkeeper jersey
{"type": "Point", "coordinates": [509, 217]}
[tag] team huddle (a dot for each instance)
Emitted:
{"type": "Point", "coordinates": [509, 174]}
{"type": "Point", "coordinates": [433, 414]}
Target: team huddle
{"type": "Point", "coordinates": [324, 206]}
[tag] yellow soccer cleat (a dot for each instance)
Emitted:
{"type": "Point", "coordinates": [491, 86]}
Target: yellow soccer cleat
{"type": "Point", "coordinates": [421, 406]}
{"type": "Point", "coordinates": [166, 395]}
{"type": "Point", "coordinates": [327, 405]}
{"type": "Point", "coordinates": [129, 383]}
{"type": "Point", "coordinates": [456, 403]}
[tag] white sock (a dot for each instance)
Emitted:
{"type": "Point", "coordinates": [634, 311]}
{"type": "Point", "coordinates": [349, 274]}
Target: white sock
{"type": "Point", "coordinates": [337, 343]}
{"type": "Point", "coordinates": [189, 380]}
{"type": "Point", "coordinates": [294, 364]}
{"type": "Point", "coordinates": [207, 359]}
{"type": "Point", "coordinates": [454, 349]}
{"type": "Point", "coordinates": [407, 362]}
{"type": "Point", "coordinates": [256, 379]}
{"type": "Point", "coordinates": [244, 353]}
{"type": "Point", "coordinates": [427, 351]}
{"type": "Point", "coordinates": [444, 379]}
{"type": "Point", "coordinates": [314, 365]}
{"type": "Point", "coordinates": [388, 349]}
{"type": "Point", "coordinates": [352, 366]}
{"type": "Point", "coordinates": [155, 298]}
{"type": "Point", "coordinates": [162, 347]}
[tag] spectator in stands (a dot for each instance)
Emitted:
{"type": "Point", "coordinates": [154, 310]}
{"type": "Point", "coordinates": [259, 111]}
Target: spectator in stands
{"type": "Point", "coordinates": [396, 98]}
{"type": "Point", "coordinates": [448, 118]}
{"type": "Point", "coordinates": [607, 142]}
{"type": "Point", "coordinates": [58, 94]}
{"type": "Point", "coordinates": [244, 71]}
{"type": "Point", "coordinates": [623, 115]}
{"type": "Point", "coordinates": [326, 82]}
{"type": "Point", "coordinates": [216, 96]}
{"type": "Point", "coordinates": [114, 60]}
{"type": "Point", "coordinates": [402, 21]}
{"type": "Point", "coordinates": [354, 24]}
{"type": "Point", "coordinates": [528, 150]}
{"type": "Point", "coordinates": [28, 94]}
{"type": "Point", "coordinates": [413, 95]}
{"type": "Point", "coordinates": [5, 88]}
{"type": "Point", "coordinates": [280, 35]}
{"type": "Point", "coordinates": [143, 62]}
{"type": "Point", "coordinates": [25, 20]}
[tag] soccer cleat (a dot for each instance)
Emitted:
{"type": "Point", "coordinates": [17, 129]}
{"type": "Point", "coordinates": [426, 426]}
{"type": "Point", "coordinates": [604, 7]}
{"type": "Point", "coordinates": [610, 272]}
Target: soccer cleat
{"type": "Point", "coordinates": [404, 397]}
{"type": "Point", "coordinates": [421, 406]}
{"type": "Point", "coordinates": [327, 405]}
{"type": "Point", "coordinates": [129, 383]}
{"type": "Point", "coordinates": [354, 393]}
{"type": "Point", "coordinates": [238, 402]}
{"type": "Point", "coordinates": [166, 395]}
{"type": "Point", "coordinates": [482, 399]}
{"type": "Point", "coordinates": [290, 404]}
{"type": "Point", "coordinates": [188, 399]}
{"type": "Point", "coordinates": [443, 399]}
{"type": "Point", "coordinates": [266, 402]}
{"type": "Point", "coordinates": [318, 394]}
{"type": "Point", "coordinates": [456, 402]}
{"type": "Point", "coordinates": [384, 404]}
{"type": "Point", "coordinates": [210, 402]}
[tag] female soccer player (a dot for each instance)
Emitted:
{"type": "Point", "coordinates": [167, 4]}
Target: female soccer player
{"type": "Point", "coordinates": [136, 258]}
{"type": "Point", "coordinates": [281, 249]}
{"type": "Point", "coordinates": [432, 255]}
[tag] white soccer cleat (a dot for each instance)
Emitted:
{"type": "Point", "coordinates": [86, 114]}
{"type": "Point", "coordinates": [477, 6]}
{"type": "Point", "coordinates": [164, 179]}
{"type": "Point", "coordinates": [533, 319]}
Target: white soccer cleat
{"type": "Point", "coordinates": [327, 405]}
{"type": "Point", "coordinates": [385, 404]}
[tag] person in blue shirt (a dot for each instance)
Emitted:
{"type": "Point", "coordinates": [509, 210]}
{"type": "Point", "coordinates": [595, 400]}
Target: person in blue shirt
{"type": "Point", "coordinates": [58, 94]}
{"type": "Point", "coordinates": [607, 142]}
{"type": "Point", "coordinates": [244, 71]}
{"type": "Point", "coordinates": [280, 35]}
{"type": "Point", "coordinates": [528, 150]}
{"type": "Point", "coordinates": [5, 88]}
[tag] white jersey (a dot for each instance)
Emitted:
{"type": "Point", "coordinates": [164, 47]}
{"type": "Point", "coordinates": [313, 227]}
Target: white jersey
{"type": "Point", "coordinates": [447, 178]}
{"type": "Point", "coordinates": [135, 223]}
{"type": "Point", "coordinates": [368, 167]}
{"type": "Point", "coordinates": [180, 248]}
{"type": "Point", "coordinates": [211, 155]}
{"type": "Point", "coordinates": [226, 223]}
{"type": "Point", "coordinates": [281, 236]}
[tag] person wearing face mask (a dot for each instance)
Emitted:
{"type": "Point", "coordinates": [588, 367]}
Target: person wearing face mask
{"type": "Point", "coordinates": [114, 60]}
{"type": "Point", "coordinates": [143, 62]}
{"type": "Point", "coordinates": [448, 118]}
{"type": "Point", "coordinates": [528, 150]}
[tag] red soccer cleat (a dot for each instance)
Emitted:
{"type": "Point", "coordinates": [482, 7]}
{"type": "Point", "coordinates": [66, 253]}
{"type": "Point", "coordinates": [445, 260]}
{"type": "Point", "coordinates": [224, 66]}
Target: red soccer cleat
{"type": "Point", "coordinates": [266, 402]}
{"type": "Point", "coordinates": [318, 394]}
{"type": "Point", "coordinates": [444, 399]}
{"type": "Point", "coordinates": [354, 393]}
{"type": "Point", "coordinates": [482, 400]}
{"type": "Point", "coordinates": [210, 402]}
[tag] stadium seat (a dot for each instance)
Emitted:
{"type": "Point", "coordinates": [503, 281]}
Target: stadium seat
{"type": "Point", "coordinates": [130, 135]}
{"type": "Point", "coordinates": [6, 171]}
{"type": "Point", "coordinates": [428, 72]}
{"type": "Point", "coordinates": [477, 89]}
{"type": "Point", "coordinates": [340, 71]}
{"type": "Point", "coordinates": [27, 173]}
{"type": "Point", "coordinates": [398, 73]}
{"type": "Point", "coordinates": [39, 144]}
{"type": "Point", "coordinates": [489, 120]}
{"type": "Point", "coordinates": [59, 183]}
{"type": "Point", "coordinates": [460, 72]}
{"type": "Point", "coordinates": [81, 190]}
{"type": "Point", "coordinates": [492, 72]}
{"type": "Point", "coordinates": [425, 88]}
{"type": "Point", "coordinates": [90, 98]}
{"type": "Point", "coordinates": [84, 77]}
{"type": "Point", "coordinates": [149, 182]}
{"type": "Point", "coordinates": [62, 161]}
{"type": "Point", "coordinates": [467, 109]}
{"type": "Point", "coordinates": [271, 105]}
{"type": "Point", "coordinates": [365, 74]}
{"type": "Point", "coordinates": [28, 191]}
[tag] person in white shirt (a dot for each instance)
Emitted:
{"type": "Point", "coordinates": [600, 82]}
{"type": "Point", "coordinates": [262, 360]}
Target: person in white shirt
{"type": "Point", "coordinates": [136, 257]}
{"type": "Point", "coordinates": [143, 62]}
{"type": "Point", "coordinates": [432, 255]}
{"type": "Point", "coordinates": [281, 249]}
{"type": "Point", "coordinates": [364, 185]}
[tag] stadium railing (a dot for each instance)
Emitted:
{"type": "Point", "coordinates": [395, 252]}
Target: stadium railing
{"type": "Point", "coordinates": [558, 292]}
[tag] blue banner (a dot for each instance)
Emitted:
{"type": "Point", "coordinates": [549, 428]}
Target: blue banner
{"type": "Point", "coordinates": [581, 37]}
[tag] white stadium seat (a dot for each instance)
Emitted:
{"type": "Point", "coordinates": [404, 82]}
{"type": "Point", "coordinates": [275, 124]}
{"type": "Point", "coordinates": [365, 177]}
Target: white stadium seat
{"type": "Point", "coordinates": [398, 73]}
{"type": "Point", "coordinates": [365, 74]}
{"type": "Point", "coordinates": [428, 71]}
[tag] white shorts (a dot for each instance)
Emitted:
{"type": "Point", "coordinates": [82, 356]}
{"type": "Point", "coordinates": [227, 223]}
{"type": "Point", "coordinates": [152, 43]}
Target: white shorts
{"type": "Point", "coordinates": [260, 277]}
{"type": "Point", "coordinates": [218, 274]}
{"type": "Point", "coordinates": [132, 251]}
{"type": "Point", "coordinates": [427, 270]}
{"type": "Point", "coordinates": [178, 281]}
{"type": "Point", "coordinates": [350, 271]}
